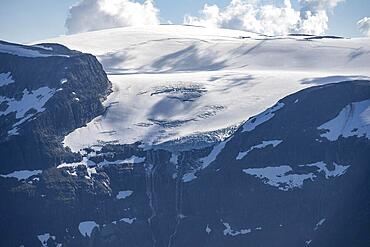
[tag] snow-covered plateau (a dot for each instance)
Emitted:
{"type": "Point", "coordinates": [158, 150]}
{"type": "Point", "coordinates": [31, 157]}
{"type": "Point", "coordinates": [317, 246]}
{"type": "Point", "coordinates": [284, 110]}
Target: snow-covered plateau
{"type": "Point", "coordinates": [174, 81]}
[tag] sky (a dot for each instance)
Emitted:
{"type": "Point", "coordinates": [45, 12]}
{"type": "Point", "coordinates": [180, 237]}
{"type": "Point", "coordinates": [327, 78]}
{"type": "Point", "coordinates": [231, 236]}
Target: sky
{"type": "Point", "coordinates": [26, 21]}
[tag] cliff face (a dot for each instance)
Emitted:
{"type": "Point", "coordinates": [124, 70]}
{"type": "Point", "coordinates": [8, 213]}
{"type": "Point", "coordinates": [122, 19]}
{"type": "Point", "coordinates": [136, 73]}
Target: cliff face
{"type": "Point", "coordinates": [52, 91]}
{"type": "Point", "coordinates": [294, 175]}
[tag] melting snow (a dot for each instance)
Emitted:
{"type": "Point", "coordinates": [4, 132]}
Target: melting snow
{"type": "Point", "coordinates": [353, 120]}
{"type": "Point", "coordinates": [279, 176]}
{"type": "Point", "coordinates": [24, 174]}
{"type": "Point", "coordinates": [5, 79]}
{"type": "Point", "coordinates": [265, 116]}
{"type": "Point", "coordinates": [124, 194]}
{"type": "Point", "coordinates": [264, 144]}
{"type": "Point", "coordinates": [87, 227]}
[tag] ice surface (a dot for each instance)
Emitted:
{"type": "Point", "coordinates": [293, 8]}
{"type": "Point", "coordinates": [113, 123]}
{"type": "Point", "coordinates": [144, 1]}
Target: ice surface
{"type": "Point", "coordinates": [173, 81]}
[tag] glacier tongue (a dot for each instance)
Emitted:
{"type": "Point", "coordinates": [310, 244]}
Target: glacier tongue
{"type": "Point", "coordinates": [171, 82]}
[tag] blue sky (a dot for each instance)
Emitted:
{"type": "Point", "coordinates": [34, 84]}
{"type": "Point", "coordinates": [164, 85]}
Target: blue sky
{"type": "Point", "coordinates": [26, 20]}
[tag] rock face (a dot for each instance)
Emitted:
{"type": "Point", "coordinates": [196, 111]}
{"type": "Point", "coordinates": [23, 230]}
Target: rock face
{"type": "Point", "coordinates": [46, 91]}
{"type": "Point", "coordinates": [294, 175]}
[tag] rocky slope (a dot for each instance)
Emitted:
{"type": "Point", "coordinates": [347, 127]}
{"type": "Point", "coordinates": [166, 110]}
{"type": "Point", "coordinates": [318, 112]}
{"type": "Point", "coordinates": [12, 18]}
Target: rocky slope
{"type": "Point", "coordinates": [46, 91]}
{"type": "Point", "coordinates": [294, 175]}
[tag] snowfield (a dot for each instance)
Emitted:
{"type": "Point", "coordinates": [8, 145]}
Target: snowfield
{"type": "Point", "coordinates": [174, 81]}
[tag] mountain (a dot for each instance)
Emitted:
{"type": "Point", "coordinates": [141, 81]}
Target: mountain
{"type": "Point", "coordinates": [192, 84]}
{"type": "Point", "coordinates": [46, 91]}
{"type": "Point", "coordinates": [194, 137]}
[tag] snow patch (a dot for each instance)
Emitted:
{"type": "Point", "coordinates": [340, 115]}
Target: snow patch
{"type": "Point", "coordinates": [353, 120]}
{"type": "Point", "coordinates": [132, 160]}
{"type": "Point", "coordinates": [44, 238]}
{"type": "Point", "coordinates": [206, 161]}
{"type": "Point", "coordinates": [322, 221]}
{"type": "Point", "coordinates": [128, 220]}
{"type": "Point", "coordinates": [21, 175]}
{"type": "Point", "coordinates": [6, 79]}
{"type": "Point", "coordinates": [87, 227]}
{"type": "Point", "coordinates": [338, 169]}
{"type": "Point", "coordinates": [174, 158]}
{"type": "Point", "coordinates": [265, 116]}
{"type": "Point", "coordinates": [124, 194]}
{"type": "Point", "coordinates": [73, 166]}
{"type": "Point", "coordinates": [31, 100]}
{"type": "Point", "coordinates": [233, 233]}
{"type": "Point", "coordinates": [285, 179]}
{"type": "Point", "coordinates": [189, 177]}
{"type": "Point", "coordinates": [280, 177]}
{"type": "Point", "coordinates": [22, 51]}
{"type": "Point", "coordinates": [63, 81]}
{"type": "Point", "coordinates": [264, 144]}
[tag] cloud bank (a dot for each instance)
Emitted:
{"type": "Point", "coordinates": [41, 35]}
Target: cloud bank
{"type": "Point", "coordinates": [364, 26]}
{"type": "Point", "coordinates": [91, 15]}
{"type": "Point", "coordinates": [249, 15]}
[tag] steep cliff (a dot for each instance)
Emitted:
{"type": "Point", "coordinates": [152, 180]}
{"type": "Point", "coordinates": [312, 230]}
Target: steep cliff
{"type": "Point", "coordinates": [46, 91]}
{"type": "Point", "coordinates": [294, 175]}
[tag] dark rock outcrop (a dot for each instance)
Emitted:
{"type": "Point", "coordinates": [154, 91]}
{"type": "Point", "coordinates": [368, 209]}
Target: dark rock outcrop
{"type": "Point", "coordinates": [299, 189]}
{"type": "Point", "coordinates": [77, 83]}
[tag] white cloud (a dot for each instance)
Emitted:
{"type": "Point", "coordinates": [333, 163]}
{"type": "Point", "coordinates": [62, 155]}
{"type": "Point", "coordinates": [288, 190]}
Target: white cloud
{"type": "Point", "coordinates": [364, 26]}
{"type": "Point", "coordinates": [91, 15]}
{"type": "Point", "coordinates": [269, 19]}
